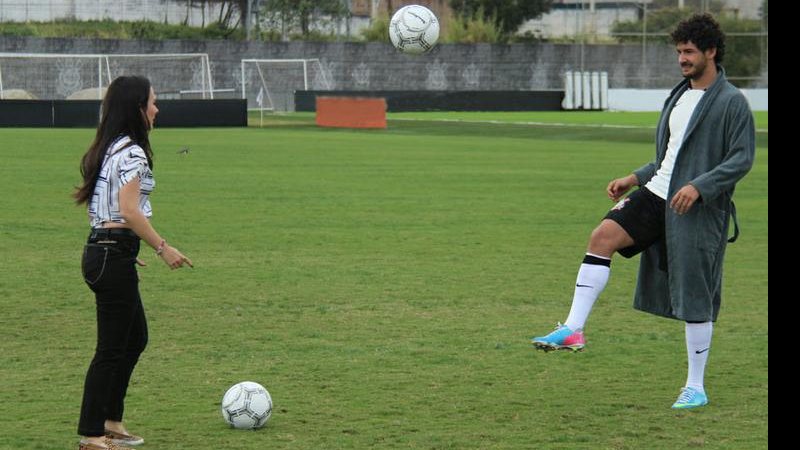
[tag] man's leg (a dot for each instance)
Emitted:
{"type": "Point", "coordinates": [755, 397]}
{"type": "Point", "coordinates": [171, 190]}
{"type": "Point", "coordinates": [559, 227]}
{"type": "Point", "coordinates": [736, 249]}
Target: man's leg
{"type": "Point", "coordinates": [698, 343]}
{"type": "Point", "coordinates": [593, 275]}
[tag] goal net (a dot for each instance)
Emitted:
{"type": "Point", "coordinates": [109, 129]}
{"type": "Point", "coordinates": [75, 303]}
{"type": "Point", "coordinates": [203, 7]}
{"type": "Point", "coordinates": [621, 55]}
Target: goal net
{"type": "Point", "coordinates": [49, 76]}
{"type": "Point", "coordinates": [269, 84]}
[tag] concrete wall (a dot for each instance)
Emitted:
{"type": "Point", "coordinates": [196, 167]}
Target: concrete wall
{"type": "Point", "coordinates": [378, 66]}
{"type": "Point", "coordinates": [359, 66]}
{"type": "Point", "coordinates": [653, 99]}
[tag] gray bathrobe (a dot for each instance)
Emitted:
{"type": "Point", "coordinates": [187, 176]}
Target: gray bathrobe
{"type": "Point", "coordinates": [717, 151]}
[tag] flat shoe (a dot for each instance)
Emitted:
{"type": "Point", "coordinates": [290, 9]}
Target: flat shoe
{"type": "Point", "coordinates": [108, 446]}
{"type": "Point", "coordinates": [123, 438]}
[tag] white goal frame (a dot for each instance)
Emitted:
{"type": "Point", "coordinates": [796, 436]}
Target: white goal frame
{"type": "Point", "coordinates": [104, 70]}
{"type": "Point", "coordinates": [265, 82]}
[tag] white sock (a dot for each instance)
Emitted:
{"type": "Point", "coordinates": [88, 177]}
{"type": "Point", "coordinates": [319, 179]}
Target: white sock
{"type": "Point", "coordinates": [698, 342]}
{"type": "Point", "coordinates": [592, 278]}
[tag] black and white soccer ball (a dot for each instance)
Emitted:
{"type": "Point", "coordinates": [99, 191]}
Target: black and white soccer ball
{"type": "Point", "coordinates": [246, 405]}
{"type": "Point", "coordinates": [414, 29]}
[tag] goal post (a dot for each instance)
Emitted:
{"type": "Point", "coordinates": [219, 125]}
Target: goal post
{"type": "Point", "coordinates": [56, 76]}
{"type": "Point", "coordinates": [269, 84]}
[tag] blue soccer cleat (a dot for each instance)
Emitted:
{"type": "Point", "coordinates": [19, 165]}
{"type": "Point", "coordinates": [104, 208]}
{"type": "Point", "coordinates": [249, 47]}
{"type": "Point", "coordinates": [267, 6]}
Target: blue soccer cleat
{"type": "Point", "coordinates": [563, 338]}
{"type": "Point", "coordinates": [690, 398]}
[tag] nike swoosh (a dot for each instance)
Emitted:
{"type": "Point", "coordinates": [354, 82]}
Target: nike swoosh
{"type": "Point", "coordinates": [583, 285]}
{"type": "Point", "coordinates": [701, 351]}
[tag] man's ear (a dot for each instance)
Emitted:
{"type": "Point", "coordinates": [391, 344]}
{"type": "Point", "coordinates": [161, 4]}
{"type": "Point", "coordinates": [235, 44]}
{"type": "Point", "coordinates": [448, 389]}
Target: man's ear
{"type": "Point", "coordinates": [711, 53]}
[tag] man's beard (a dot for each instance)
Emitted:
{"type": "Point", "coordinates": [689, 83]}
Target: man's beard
{"type": "Point", "coordinates": [697, 73]}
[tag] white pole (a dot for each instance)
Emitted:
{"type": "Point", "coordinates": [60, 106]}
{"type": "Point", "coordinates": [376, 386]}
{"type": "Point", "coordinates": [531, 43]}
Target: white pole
{"type": "Point", "coordinates": [243, 94]}
{"type": "Point", "coordinates": [596, 90]}
{"type": "Point", "coordinates": [108, 71]}
{"type": "Point", "coordinates": [100, 78]}
{"type": "Point", "coordinates": [568, 88]}
{"type": "Point", "coordinates": [203, 78]}
{"type": "Point", "coordinates": [587, 94]}
{"type": "Point", "coordinates": [604, 90]}
{"type": "Point", "coordinates": [644, 41]}
{"type": "Point", "coordinates": [210, 84]}
{"type": "Point", "coordinates": [305, 74]}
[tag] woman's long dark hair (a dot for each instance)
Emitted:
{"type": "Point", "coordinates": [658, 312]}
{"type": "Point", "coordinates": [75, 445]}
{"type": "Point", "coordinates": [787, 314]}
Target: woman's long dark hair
{"type": "Point", "coordinates": [124, 112]}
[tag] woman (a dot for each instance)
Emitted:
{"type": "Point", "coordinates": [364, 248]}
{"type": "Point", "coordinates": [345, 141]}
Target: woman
{"type": "Point", "coordinates": [117, 181]}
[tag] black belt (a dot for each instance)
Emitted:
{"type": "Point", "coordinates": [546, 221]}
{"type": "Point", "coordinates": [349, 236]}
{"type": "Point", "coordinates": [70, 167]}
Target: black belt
{"type": "Point", "coordinates": [107, 233]}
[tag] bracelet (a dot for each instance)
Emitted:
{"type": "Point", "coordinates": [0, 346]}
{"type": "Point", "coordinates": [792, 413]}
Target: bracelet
{"type": "Point", "coordinates": [161, 247]}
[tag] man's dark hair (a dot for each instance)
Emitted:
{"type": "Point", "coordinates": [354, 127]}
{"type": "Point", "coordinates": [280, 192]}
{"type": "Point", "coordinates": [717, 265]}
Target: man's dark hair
{"type": "Point", "coordinates": [704, 32]}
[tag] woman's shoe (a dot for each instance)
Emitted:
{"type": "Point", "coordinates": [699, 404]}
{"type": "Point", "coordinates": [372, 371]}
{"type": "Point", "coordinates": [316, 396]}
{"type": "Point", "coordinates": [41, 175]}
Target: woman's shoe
{"type": "Point", "coordinates": [107, 446]}
{"type": "Point", "coordinates": [123, 438]}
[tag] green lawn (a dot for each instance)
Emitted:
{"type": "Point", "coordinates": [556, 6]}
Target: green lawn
{"type": "Point", "coordinates": [381, 284]}
{"type": "Point", "coordinates": [601, 118]}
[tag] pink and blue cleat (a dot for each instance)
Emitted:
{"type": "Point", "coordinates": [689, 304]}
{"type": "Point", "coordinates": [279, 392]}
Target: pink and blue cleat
{"type": "Point", "coordinates": [690, 398]}
{"type": "Point", "coordinates": [563, 338]}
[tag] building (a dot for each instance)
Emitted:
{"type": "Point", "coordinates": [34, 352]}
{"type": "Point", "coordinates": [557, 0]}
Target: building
{"type": "Point", "coordinates": [596, 18]}
{"type": "Point", "coordinates": [583, 17]}
{"type": "Point", "coordinates": [566, 18]}
{"type": "Point", "coordinates": [376, 8]}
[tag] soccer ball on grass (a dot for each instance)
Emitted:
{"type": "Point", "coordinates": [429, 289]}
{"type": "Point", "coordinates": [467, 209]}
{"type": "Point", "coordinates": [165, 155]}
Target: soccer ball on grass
{"type": "Point", "coordinates": [246, 405]}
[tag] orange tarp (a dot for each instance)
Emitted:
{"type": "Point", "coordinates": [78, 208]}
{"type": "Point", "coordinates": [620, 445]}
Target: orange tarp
{"type": "Point", "coordinates": [351, 112]}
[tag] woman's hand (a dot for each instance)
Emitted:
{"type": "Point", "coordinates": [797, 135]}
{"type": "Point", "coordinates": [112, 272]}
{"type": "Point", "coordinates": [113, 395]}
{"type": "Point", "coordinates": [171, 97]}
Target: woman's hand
{"type": "Point", "coordinates": [174, 258]}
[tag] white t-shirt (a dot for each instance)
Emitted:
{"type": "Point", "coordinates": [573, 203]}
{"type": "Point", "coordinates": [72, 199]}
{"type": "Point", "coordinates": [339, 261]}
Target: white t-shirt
{"type": "Point", "coordinates": [678, 121]}
{"type": "Point", "coordinates": [123, 163]}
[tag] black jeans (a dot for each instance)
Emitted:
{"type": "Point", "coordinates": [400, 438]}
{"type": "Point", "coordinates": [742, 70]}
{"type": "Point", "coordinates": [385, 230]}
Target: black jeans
{"type": "Point", "coordinates": [109, 269]}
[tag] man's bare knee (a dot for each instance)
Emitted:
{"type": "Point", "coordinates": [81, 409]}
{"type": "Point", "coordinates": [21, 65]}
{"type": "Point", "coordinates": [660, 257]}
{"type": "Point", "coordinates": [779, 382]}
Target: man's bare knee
{"type": "Point", "coordinates": [607, 238]}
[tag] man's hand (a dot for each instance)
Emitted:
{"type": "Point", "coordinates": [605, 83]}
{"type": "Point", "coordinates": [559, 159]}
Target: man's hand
{"type": "Point", "coordinates": [684, 199]}
{"type": "Point", "coordinates": [617, 188]}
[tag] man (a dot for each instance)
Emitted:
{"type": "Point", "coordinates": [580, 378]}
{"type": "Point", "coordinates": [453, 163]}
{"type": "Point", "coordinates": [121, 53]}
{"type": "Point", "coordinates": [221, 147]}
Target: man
{"type": "Point", "coordinates": [678, 218]}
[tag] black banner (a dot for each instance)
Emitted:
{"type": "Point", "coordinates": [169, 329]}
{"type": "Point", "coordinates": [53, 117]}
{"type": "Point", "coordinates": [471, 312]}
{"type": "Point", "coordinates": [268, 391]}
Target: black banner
{"type": "Point", "coordinates": [86, 113]}
{"type": "Point", "coordinates": [397, 101]}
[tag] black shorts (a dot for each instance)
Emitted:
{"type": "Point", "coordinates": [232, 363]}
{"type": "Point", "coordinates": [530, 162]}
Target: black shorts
{"type": "Point", "coordinates": [641, 215]}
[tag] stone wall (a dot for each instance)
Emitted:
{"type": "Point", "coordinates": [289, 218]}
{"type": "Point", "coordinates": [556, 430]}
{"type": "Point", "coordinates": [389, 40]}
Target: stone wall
{"type": "Point", "coordinates": [377, 66]}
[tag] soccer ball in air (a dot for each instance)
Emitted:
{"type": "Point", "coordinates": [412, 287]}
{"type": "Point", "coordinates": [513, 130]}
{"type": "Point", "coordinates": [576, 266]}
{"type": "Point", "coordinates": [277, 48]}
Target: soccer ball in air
{"type": "Point", "coordinates": [246, 405]}
{"type": "Point", "coordinates": [414, 29]}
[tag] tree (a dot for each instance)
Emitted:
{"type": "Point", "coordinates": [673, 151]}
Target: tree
{"type": "Point", "coordinates": [471, 31]}
{"type": "Point", "coordinates": [712, 6]}
{"type": "Point", "coordinates": [507, 15]}
{"type": "Point", "coordinates": [293, 14]}
{"type": "Point", "coordinates": [228, 10]}
{"type": "Point", "coordinates": [743, 51]}
{"type": "Point", "coordinates": [378, 30]}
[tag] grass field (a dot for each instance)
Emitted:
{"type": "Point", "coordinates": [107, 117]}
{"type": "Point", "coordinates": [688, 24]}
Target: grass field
{"type": "Point", "coordinates": [382, 285]}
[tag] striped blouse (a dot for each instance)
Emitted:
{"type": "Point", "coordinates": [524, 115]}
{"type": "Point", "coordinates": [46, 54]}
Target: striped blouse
{"type": "Point", "coordinates": [124, 162]}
